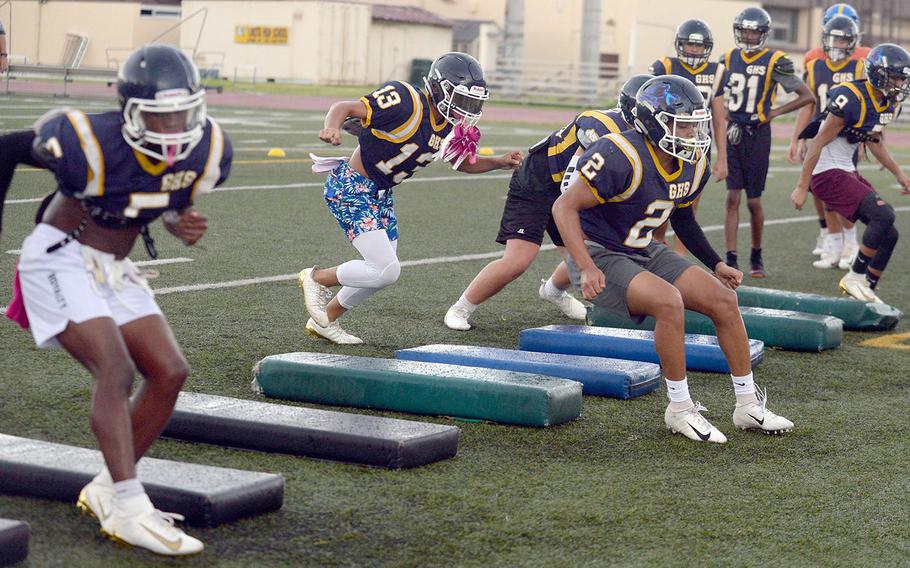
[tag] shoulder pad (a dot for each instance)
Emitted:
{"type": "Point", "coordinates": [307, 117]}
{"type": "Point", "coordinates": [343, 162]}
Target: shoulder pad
{"type": "Point", "coordinates": [785, 66]}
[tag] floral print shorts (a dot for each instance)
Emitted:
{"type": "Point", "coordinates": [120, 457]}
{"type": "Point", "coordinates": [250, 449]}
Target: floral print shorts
{"type": "Point", "coordinates": [357, 204]}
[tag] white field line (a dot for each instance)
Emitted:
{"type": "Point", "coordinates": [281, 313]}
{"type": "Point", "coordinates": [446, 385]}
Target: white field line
{"type": "Point", "coordinates": [160, 261]}
{"type": "Point", "coordinates": [436, 260]}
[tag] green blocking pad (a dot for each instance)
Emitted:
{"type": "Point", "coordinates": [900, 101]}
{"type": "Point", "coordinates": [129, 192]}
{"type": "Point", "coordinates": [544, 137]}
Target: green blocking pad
{"type": "Point", "coordinates": [204, 495]}
{"type": "Point", "coordinates": [341, 436]}
{"type": "Point", "coordinates": [421, 388]}
{"type": "Point", "coordinates": [14, 537]}
{"type": "Point", "coordinates": [793, 331]}
{"type": "Point", "coordinates": [856, 315]}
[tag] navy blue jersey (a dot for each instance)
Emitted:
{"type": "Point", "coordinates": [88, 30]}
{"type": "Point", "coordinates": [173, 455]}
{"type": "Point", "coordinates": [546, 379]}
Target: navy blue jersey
{"type": "Point", "coordinates": [856, 102]}
{"type": "Point", "coordinates": [750, 83]}
{"type": "Point", "coordinates": [635, 193]}
{"type": "Point", "coordinates": [822, 75]}
{"type": "Point", "coordinates": [707, 77]}
{"type": "Point", "coordinates": [92, 162]}
{"type": "Point", "coordinates": [583, 130]}
{"type": "Point", "coordinates": [399, 133]}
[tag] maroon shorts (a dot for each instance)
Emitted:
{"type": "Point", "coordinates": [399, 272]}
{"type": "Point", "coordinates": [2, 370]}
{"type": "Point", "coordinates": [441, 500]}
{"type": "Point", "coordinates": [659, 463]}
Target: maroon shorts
{"type": "Point", "coordinates": [841, 190]}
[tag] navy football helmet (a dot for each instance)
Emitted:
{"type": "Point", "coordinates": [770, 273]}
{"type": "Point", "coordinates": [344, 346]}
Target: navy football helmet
{"type": "Point", "coordinates": [693, 31]}
{"type": "Point", "coordinates": [751, 19]}
{"type": "Point", "coordinates": [666, 106]}
{"type": "Point", "coordinates": [455, 84]}
{"type": "Point", "coordinates": [840, 28]}
{"type": "Point", "coordinates": [888, 69]}
{"type": "Point", "coordinates": [163, 102]}
{"type": "Point", "coordinates": [841, 10]}
{"type": "Point", "coordinates": [627, 95]}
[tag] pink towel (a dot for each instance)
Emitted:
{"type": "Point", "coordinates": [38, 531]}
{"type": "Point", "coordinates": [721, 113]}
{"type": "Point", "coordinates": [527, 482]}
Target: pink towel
{"type": "Point", "coordinates": [460, 144]}
{"type": "Point", "coordinates": [16, 309]}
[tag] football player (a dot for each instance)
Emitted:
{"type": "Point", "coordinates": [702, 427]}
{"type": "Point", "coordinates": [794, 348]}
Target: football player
{"type": "Point", "coordinates": [753, 74]}
{"type": "Point", "coordinates": [836, 242]}
{"type": "Point", "coordinates": [857, 112]}
{"type": "Point", "coordinates": [694, 42]}
{"type": "Point", "coordinates": [117, 172]}
{"type": "Point", "coordinates": [404, 130]}
{"type": "Point", "coordinates": [629, 184]}
{"type": "Point", "coordinates": [860, 53]}
{"type": "Point", "coordinates": [15, 149]}
{"type": "Point", "coordinates": [527, 214]}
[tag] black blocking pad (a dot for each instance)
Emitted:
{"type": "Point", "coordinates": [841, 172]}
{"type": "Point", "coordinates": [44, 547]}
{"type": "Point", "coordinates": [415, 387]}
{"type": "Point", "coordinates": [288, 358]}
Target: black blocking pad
{"type": "Point", "coordinates": [339, 436]}
{"type": "Point", "coordinates": [13, 541]}
{"type": "Point", "coordinates": [205, 495]}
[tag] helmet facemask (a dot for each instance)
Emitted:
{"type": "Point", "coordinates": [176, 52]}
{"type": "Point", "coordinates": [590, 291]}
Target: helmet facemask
{"type": "Point", "coordinates": [458, 104]}
{"type": "Point", "coordinates": [689, 59]}
{"type": "Point", "coordinates": [753, 27]}
{"type": "Point", "coordinates": [690, 148]}
{"type": "Point", "coordinates": [835, 52]}
{"type": "Point", "coordinates": [169, 147]}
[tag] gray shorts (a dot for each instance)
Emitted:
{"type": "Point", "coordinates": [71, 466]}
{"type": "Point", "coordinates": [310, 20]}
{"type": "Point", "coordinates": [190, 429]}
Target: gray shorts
{"type": "Point", "coordinates": [620, 268]}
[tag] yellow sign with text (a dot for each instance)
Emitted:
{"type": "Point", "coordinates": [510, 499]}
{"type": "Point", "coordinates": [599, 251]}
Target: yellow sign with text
{"type": "Point", "coordinates": [261, 34]}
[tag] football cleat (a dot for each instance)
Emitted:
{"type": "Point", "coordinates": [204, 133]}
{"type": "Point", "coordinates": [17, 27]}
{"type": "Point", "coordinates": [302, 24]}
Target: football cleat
{"type": "Point", "coordinates": [96, 500]}
{"type": "Point", "coordinates": [457, 318]}
{"type": "Point", "coordinates": [332, 332]}
{"type": "Point", "coordinates": [830, 258]}
{"type": "Point", "coordinates": [820, 242]}
{"type": "Point", "coordinates": [567, 304]}
{"type": "Point", "coordinates": [691, 424]}
{"type": "Point", "coordinates": [856, 285]}
{"type": "Point", "coordinates": [848, 255]}
{"type": "Point", "coordinates": [140, 524]}
{"type": "Point", "coordinates": [315, 296]}
{"type": "Point", "coordinates": [756, 416]}
{"type": "Point", "coordinates": [757, 266]}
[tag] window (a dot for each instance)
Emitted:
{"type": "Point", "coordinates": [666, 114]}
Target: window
{"type": "Point", "coordinates": [784, 25]}
{"type": "Point", "coordinates": [159, 11]}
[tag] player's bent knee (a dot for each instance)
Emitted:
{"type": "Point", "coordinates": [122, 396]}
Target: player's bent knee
{"type": "Point", "coordinates": [669, 306]}
{"type": "Point", "coordinates": [389, 275]}
{"type": "Point", "coordinates": [173, 375]}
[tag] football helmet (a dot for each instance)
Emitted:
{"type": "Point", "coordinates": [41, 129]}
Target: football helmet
{"type": "Point", "coordinates": [751, 19]}
{"type": "Point", "coordinates": [671, 113]}
{"type": "Point", "coordinates": [693, 31]}
{"type": "Point", "coordinates": [163, 102]}
{"type": "Point", "coordinates": [841, 10]}
{"type": "Point", "coordinates": [627, 95]}
{"type": "Point", "coordinates": [456, 86]}
{"type": "Point", "coordinates": [840, 28]}
{"type": "Point", "coordinates": [888, 70]}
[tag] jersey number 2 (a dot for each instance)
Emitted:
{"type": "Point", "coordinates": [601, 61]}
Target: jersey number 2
{"type": "Point", "coordinates": [658, 211]}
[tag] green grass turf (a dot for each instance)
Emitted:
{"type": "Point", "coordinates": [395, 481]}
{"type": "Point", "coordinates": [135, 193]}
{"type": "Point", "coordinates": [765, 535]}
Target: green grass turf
{"type": "Point", "coordinates": [612, 488]}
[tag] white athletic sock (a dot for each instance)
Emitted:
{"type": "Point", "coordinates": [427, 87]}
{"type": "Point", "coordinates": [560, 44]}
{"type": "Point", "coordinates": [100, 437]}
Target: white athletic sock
{"type": "Point", "coordinates": [103, 477]}
{"type": "Point", "coordinates": [128, 488]}
{"type": "Point", "coordinates": [850, 236]}
{"type": "Point", "coordinates": [744, 387]}
{"type": "Point", "coordinates": [678, 392]}
{"type": "Point", "coordinates": [550, 289]}
{"type": "Point", "coordinates": [465, 304]}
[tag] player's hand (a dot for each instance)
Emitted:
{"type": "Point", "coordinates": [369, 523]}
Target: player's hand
{"type": "Point", "coordinates": [331, 136]}
{"type": "Point", "coordinates": [799, 196]}
{"type": "Point", "coordinates": [510, 160]}
{"type": "Point", "coordinates": [592, 282]}
{"type": "Point", "coordinates": [905, 183]}
{"type": "Point", "coordinates": [189, 226]}
{"type": "Point", "coordinates": [719, 171]}
{"type": "Point", "coordinates": [796, 153]}
{"type": "Point", "coordinates": [728, 276]}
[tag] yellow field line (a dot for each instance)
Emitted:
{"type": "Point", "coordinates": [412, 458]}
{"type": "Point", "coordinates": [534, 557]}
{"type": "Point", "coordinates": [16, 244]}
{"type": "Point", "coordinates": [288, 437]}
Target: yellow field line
{"type": "Point", "coordinates": [897, 341]}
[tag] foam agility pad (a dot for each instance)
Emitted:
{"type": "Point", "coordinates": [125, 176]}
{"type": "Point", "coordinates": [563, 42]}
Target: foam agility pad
{"type": "Point", "coordinates": [856, 315]}
{"type": "Point", "coordinates": [420, 388]}
{"type": "Point", "coordinates": [14, 537]}
{"type": "Point", "coordinates": [205, 495]}
{"type": "Point", "coordinates": [785, 329]}
{"type": "Point", "coordinates": [340, 436]}
{"type": "Point", "coordinates": [702, 351]}
{"type": "Point", "coordinates": [599, 376]}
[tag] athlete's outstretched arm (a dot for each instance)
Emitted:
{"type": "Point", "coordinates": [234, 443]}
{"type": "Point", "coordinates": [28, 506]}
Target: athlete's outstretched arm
{"type": "Point", "coordinates": [565, 213]}
{"type": "Point", "coordinates": [829, 130]}
{"type": "Point", "coordinates": [881, 153]}
{"type": "Point", "coordinates": [338, 113]}
{"type": "Point", "coordinates": [719, 125]}
{"type": "Point", "coordinates": [187, 225]}
{"type": "Point", "coordinates": [508, 161]}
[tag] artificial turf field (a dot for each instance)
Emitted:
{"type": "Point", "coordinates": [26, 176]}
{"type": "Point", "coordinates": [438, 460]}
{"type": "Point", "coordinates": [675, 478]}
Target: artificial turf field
{"type": "Point", "coordinates": [611, 488]}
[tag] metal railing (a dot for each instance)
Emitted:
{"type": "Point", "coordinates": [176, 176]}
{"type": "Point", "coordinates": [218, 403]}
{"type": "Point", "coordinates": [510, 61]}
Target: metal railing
{"type": "Point", "coordinates": [554, 82]}
{"type": "Point", "coordinates": [67, 74]}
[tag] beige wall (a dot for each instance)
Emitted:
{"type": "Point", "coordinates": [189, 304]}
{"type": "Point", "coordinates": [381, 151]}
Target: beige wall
{"type": "Point", "coordinates": [392, 46]}
{"type": "Point", "coordinates": [38, 30]}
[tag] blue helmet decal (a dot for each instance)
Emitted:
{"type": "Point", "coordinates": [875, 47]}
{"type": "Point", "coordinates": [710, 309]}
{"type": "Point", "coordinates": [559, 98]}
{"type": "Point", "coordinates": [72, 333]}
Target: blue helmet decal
{"type": "Point", "coordinates": [841, 10]}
